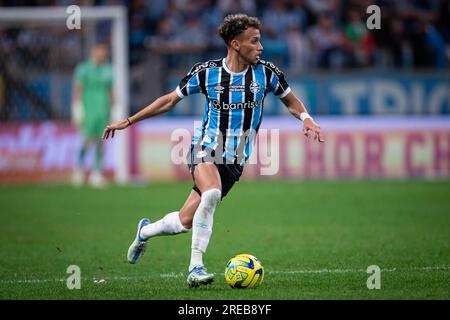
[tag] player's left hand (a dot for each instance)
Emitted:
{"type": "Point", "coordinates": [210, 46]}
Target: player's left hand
{"type": "Point", "coordinates": [310, 126]}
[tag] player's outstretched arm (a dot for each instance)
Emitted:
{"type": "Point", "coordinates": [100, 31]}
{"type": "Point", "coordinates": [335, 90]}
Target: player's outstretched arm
{"type": "Point", "coordinates": [298, 110]}
{"type": "Point", "coordinates": [160, 105]}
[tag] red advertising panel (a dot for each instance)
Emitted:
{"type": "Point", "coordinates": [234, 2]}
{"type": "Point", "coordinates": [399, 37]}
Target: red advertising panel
{"type": "Point", "coordinates": [360, 148]}
{"type": "Point", "coordinates": [42, 152]}
{"type": "Point", "coordinates": [355, 148]}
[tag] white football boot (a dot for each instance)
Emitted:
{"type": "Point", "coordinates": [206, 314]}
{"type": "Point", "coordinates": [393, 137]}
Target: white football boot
{"type": "Point", "coordinates": [198, 276]}
{"type": "Point", "coordinates": [78, 177]}
{"type": "Point", "coordinates": [137, 247]}
{"type": "Point", "coordinates": [97, 180]}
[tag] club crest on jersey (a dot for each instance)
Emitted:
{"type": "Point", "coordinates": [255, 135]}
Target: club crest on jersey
{"type": "Point", "coordinates": [219, 88]}
{"type": "Point", "coordinates": [255, 87]}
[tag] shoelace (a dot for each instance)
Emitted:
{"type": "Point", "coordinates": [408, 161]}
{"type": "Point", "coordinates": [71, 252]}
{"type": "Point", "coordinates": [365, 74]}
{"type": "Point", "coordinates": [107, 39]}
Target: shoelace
{"type": "Point", "coordinates": [201, 271]}
{"type": "Point", "coordinates": [141, 246]}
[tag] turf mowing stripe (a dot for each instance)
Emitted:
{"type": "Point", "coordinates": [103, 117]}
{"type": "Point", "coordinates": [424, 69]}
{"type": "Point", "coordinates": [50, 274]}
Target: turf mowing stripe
{"type": "Point", "coordinates": [180, 274]}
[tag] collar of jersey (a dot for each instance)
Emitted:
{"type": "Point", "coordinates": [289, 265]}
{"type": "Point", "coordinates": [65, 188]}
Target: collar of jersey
{"type": "Point", "coordinates": [224, 63]}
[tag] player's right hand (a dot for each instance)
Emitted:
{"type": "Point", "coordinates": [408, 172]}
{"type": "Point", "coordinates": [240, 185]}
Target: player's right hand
{"type": "Point", "coordinates": [111, 128]}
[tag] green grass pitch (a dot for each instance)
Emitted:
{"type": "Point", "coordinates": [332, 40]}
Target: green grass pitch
{"type": "Point", "coordinates": [314, 238]}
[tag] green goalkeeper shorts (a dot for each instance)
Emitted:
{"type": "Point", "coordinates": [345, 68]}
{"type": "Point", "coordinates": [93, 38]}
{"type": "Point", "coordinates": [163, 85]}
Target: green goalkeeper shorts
{"type": "Point", "coordinates": [92, 127]}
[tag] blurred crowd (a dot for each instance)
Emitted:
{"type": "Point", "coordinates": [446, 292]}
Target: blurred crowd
{"type": "Point", "coordinates": [297, 34]}
{"type": "Point", "coordinates": [300, 34]}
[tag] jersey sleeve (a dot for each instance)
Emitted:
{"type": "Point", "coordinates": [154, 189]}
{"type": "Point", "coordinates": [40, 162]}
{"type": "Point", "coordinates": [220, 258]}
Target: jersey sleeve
{"type": "Point", "coordinates": [110, 76]}
{"type": "Point", "coordinates": [79, 73]}
{"type": "Point", "coordinates": [192, 83]}
{"type": "Point", "coordinates": [276, 81]}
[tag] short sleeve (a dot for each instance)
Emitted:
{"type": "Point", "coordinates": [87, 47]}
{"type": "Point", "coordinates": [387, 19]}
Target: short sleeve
{"type": "Point", "coordinates": [277, 82]}
{"type": "Point", "coordinates": [192, 83]}
{"type": "Point", "coordinates": [109, 75]}
{"type": "Point", "coordinates": [79, 73]}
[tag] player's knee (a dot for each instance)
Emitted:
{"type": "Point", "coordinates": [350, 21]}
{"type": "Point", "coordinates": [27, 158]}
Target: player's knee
{"type": "Point", "coordinates": [211, 197]}
{"type": "Point", "coordinates": [186, 221]}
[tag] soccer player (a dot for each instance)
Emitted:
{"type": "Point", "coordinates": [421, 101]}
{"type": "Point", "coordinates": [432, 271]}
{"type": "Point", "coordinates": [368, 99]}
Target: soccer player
{"type": "Point", "coordinates": [91, 105]}
{"type": "Point", "coordinates": [234, 87]}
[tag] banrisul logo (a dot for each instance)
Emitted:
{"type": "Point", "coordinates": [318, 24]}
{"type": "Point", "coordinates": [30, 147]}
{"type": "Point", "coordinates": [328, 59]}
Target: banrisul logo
{"type": "Point", "coordinates": [231, 106]}
{"type": "Point", "coordinates": [255, 87]}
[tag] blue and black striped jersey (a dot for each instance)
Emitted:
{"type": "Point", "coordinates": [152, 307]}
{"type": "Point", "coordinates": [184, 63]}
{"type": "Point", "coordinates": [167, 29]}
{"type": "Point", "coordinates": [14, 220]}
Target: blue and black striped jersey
{"type": "Point", "coordinates": [234, 104]}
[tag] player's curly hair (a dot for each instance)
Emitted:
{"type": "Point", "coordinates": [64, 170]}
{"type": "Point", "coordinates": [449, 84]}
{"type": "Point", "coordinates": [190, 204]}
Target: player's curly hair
{"type": "Point", "coordinates": [235, 24]}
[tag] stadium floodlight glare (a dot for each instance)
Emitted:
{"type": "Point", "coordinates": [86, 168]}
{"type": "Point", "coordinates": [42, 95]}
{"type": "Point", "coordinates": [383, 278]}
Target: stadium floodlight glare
{"type": "Point", "coordinates": [117, 15]}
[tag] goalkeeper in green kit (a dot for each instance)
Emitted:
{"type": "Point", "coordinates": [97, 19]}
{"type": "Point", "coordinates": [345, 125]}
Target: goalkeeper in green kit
{"type": "Point", "coordinates": [91, 104]}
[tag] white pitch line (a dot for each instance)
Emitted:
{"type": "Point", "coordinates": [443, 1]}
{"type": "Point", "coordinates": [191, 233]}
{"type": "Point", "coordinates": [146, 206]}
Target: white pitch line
{"type": "Point", "coordinates": [180, 274]}
{"type": "Point", "coordinates": [359, 270]}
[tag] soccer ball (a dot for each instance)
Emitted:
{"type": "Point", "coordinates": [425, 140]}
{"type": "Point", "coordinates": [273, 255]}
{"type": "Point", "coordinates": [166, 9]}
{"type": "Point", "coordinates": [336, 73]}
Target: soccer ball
{"type": "Point", "coordinates": [244, 271]}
